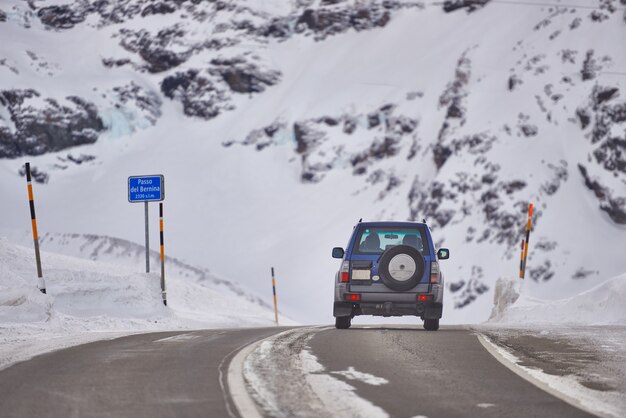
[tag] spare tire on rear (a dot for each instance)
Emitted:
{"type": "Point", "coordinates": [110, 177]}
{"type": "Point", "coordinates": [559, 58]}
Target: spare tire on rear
{"type": "Point", "coordinates": [401, 267]}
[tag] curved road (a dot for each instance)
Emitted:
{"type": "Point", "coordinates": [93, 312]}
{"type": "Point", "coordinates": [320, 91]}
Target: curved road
{"type": "Point", "coordinates": [184, 374]}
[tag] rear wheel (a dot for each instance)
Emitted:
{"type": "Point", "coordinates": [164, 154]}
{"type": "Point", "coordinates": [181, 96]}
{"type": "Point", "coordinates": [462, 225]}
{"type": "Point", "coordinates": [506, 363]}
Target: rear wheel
{"type": "Point", "coordinates": [431, 324]}
{"type": "Point", "coordinates": [343, 322]}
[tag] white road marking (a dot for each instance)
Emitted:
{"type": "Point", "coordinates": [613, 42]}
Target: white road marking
{"type": "Point", "coordinates": [237, 384]}
{"type": "Point", "coordinates": [485, 405]}
{"type": "Point", "coordinates": [554, 385]}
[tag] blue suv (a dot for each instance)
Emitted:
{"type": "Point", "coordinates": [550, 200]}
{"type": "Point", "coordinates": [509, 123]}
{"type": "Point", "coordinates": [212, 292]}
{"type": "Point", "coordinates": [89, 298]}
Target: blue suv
{"type": "Point", "coordinates": [389, 269]}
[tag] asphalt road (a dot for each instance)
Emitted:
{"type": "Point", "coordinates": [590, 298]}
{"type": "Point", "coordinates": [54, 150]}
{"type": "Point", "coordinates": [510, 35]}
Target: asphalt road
{"type": "Point", "coordinates": [447, 373]}
{"type": "Point", "coordinates": [167, 374]}
{"type": "Point", "coordinates": [183, 374]}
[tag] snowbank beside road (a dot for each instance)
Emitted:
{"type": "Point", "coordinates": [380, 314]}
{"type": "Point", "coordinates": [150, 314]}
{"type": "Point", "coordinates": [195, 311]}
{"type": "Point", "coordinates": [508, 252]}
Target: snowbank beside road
{"type": "Point", "coordinates": [600, 305]}
{"type": "Point", "coordinates": [90, 300]}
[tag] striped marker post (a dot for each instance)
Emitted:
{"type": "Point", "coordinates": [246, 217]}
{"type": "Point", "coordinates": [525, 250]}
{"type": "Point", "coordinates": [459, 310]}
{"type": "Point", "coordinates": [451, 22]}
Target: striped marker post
{"type": "Point", "coordinates": [275, 303]}
{"type": "Point", "coordinates": [163, 292]}
{"type": "Point", "coordinates": [525, 248]}
{"type": "Point", "coordinates": [41, 284]}
{"type": "Point", "coordinates": [521, 261]}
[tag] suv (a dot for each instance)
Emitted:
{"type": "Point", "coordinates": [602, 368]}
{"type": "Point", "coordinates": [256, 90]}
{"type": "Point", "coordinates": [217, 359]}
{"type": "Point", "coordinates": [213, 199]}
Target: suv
{"type": "Point", "coordinates": [389, 269]}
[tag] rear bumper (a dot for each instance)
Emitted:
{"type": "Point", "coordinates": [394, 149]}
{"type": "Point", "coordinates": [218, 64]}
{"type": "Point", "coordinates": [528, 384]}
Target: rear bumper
{"type": "Point", "coordinates": [425, 310]}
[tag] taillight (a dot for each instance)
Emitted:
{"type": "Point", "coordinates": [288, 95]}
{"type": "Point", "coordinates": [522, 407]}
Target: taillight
{"type": "Point", "coordinates": [345, 272]}
{"type": "Point", "coordinates": [352, 297]}
{"type": "Point", "coordinates": [435, 274]}
{"type": "Point", "coordinates": [424, 298]}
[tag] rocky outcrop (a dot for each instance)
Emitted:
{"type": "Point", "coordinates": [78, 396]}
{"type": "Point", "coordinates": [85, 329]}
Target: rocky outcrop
{"type": "Point", "coordinates": [470, 5]}
{"type": "Point", "coordinates": [199, 96]}
{"type": "Point", "coordinates": [614, 206]}
{"type": "Point", "coordinates": [155, 50]}
{"type": "Point", "coordinates": [61, 17]}
{"type": "Point", "coordinates": [148, 103]}
{"type": "Point", "coordinates": [590, 67]}
{"type": "Point", "coordinates": [158, 8]}
{"type": "Point", "coordinates": [37, 175]}
{"type": "Point", "coordinates": [327, 21]}
{"type": "Point", "coordinates": [498, 200]}
{"type": "Point", "coordinates": [243, 76]}
{"type": "Point", "coordinates": [603, 118]}
{"type": "Point", "coordinates": [41, 125]}
{"type": "Point", "coordinates": [452, 99]}
{"type": "Point", "coordinates": [391, 133]}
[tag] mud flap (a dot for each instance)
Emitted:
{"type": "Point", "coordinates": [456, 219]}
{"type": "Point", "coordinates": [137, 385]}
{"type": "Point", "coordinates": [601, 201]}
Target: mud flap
{"type": "Point", "coordinates": [342, 309]}
{"type": "Point", "coordinates": [433, 311]}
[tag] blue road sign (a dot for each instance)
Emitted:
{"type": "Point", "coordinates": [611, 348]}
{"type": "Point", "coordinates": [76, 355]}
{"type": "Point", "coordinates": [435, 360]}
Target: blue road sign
{"type": "Point", "coordinates": [146, 188]}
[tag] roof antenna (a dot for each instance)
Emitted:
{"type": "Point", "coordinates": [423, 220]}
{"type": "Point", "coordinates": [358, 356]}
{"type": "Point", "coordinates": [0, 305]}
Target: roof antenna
{"type": "Point", "coordinates": [423, 221]}
{"type": "Point", "coordinates": [360, 220]}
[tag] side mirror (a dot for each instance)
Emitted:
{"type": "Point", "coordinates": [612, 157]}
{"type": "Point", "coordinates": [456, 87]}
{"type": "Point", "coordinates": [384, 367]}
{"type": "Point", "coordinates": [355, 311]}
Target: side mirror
{"type": "Point", "coordinates": [443, 254]}
{"type": "Point", "coordinates": [338, 252]}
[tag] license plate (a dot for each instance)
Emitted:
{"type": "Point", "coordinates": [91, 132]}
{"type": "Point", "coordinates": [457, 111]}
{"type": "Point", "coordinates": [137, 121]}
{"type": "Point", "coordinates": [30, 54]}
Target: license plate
{"type": "Point", "coordinates": [361, 275]}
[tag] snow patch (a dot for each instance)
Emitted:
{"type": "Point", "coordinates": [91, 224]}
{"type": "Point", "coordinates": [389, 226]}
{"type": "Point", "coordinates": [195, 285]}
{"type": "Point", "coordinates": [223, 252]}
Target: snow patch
{"type": "Point", "coordinates": [601, 305]}
{"type": "Point", "coordinates": [283, 368]}
{"type": "Point", "coordinates": [566, 387]}
{"type": "Point", "coordinates": [370, 379]}
{"type": "Point", "coordinates": [88, 300]}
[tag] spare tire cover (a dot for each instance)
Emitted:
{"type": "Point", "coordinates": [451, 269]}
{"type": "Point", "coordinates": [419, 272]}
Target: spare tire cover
{"type": "Point", "coordinates": [401, 267]}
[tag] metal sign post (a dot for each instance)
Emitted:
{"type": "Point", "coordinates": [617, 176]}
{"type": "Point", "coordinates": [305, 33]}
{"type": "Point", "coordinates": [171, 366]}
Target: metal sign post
{"type": "Point", "coordinates": [146, 189]}
{"type": "Point", "coordinates": [147, 238]}
{"type": "Point", "coordinates": [163, 292]}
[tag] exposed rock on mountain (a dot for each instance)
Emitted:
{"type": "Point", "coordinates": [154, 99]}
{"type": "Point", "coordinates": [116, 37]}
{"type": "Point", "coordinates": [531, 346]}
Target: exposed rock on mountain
{"type": "Point", "coordinates": [60, 17]}
{"type": "Point", "coordinates": [339, 18]}
{"type": "Point", "coordinates": [146, 101]}
{"type": "Point", "coordinates": [614, 206]}
{"type": "Point", "coordinates": [312, 139]}
{"type": "Point", "coordinates": [36, 174]}
{"type": "Point", "coordinates": [243, 76]}
{"type": "Point", "coordinates": [153, 49]}
{"type": "Point", "coordinates": [39, 125]}
{"type": "Point", "coordinates": [198, 94]}
{"type": "Point", "coordinates": [470, 5]}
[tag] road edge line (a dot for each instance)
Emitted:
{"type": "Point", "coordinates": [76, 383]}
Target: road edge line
{"type": "Point", "coordinates": [241, 399]}
{"type": "Point", "coordinates": [493, 349]}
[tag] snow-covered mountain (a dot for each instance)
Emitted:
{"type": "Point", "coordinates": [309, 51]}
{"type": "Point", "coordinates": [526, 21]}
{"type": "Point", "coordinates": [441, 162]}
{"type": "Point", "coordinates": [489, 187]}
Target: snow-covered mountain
{"type": "Point", "coordinates": [278, 124]}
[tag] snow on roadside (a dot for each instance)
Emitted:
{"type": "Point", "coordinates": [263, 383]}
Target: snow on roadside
{"type": "Point", "coordinates": [88, 301]}
{"type": "Point", "coordinates": [573, 346]}
{"type": "Point", "coordinates": [603, 304]}
{"type": "Point", "coordinates": [605, 403]}
{"type": "Point", "coordinates": [283, 368]}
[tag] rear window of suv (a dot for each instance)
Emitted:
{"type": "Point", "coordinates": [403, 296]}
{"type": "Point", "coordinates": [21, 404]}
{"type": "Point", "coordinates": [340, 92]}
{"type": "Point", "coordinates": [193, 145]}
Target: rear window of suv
{"type": "Point", "coordinates": [375, 240]}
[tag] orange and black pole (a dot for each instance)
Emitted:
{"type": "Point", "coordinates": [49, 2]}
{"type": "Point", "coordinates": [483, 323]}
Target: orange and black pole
{"type": "Point", "coordinates": [521, 262]}
{"type": "Point", "coordinates": [275, 303]}
{"type": "Point", "coordinates": [522, 272]}
{"type": "Point", "coordinates": [41, 284]}
{"type": "Point", "coordinates": [163, 292]}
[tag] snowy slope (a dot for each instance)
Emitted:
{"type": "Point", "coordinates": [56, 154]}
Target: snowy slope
{"type": "Point", "coordinates": [279, 124]}
{"type": "Point", "coordinates": [600, 305]}
{"type": "Point", "coordinates": [86, 295]}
